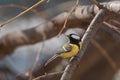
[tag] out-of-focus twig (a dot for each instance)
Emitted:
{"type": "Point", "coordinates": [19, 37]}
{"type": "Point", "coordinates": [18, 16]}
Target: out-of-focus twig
{"type": "Point", "coordinates": [22, 13]}
{"type": "Point", "coordinates": [105, 54]}
{"type": "Point", "coordinates": [115, 21]}
{"type": "Point", "coordinates": [97, 4]}
{"type": "Point", "coordinates": [23, 7]}
{"type": "Point", "coordinates": [36, 62]}
{"type": "Point", "coordinates": [68, 15]}
{"type": "Point", "coordinates": [112, 27]}
{"type": "Point", "coordinates": [48, 75]}
{"type": "Point", "coordinates": [89, 34]}
{"type": "Point", "coordinates": [37, 57]}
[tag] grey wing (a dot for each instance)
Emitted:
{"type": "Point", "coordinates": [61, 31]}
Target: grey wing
{"type": "Point", "coordinates": [66, 48]}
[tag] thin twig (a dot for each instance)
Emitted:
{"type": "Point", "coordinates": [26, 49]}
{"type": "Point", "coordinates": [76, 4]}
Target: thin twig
{"type": "Point", "coordinates": [23, 7]}
{"type": "Point", "coordinates": [69, 14]}
{"type": "Point", "coordinates": [97, 4]}
{"type": "Point", "coordinates": [105, 54]}
{"type": "Point", "coordinates": [36, 61]}
{"type": "Point", "coordinates": [89, 34]}
{"type": "Point", "coordinates": [37, 57]}
{"type": "Point", "coordinates": [115, 21]}
{"type": "Point", "coordinates": [22, 13]}
{"type": "Point", "coordinates": [48, 75]}
{"type": "Point", "coordinates": [112, 27]}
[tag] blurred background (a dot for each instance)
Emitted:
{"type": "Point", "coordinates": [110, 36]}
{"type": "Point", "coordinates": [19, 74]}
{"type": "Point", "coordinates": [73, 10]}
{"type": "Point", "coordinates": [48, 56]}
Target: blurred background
{"type": "Point", "coordinates": [16, 66]}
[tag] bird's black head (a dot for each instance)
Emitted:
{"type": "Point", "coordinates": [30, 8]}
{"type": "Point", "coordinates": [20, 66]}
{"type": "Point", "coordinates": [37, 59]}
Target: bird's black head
{"type": "Point", "coordinates": [74, 38]}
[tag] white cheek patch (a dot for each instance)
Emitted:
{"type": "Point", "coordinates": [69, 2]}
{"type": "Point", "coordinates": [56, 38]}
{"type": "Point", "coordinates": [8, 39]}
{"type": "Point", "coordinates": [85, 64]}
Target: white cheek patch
{"type": "Point", "coordinates": [64, 48]}
{"type": "Point", "coordinates": [75, 37]}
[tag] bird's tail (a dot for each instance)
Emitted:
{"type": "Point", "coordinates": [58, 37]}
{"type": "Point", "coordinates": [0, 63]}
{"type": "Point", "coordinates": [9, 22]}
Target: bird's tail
{"type": "Point", "coordinates": [51, 59]}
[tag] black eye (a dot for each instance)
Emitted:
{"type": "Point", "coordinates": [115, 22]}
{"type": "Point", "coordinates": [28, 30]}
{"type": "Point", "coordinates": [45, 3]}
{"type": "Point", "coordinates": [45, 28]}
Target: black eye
{"type": "Point", "coordinates": [75, 37]}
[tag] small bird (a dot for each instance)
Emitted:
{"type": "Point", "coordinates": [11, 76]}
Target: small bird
{"type": "Point", "coordinates": [69, 49]}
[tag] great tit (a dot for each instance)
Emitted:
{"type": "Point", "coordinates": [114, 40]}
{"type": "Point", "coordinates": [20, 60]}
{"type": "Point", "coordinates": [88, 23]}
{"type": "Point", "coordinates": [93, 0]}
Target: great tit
{"type": "Point", "coordinates": [69, 49]}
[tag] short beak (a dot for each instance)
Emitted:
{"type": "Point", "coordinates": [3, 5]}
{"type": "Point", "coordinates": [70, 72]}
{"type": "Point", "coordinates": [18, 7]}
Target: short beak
{"type": "Point", "coordinates": [68, 36]}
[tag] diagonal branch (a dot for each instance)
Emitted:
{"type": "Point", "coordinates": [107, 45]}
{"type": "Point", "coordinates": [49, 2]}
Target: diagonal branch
{"type": "Point", "coordinates": [22, 13]}
{"type": "Point", "coordinates": [48, 75]}
{"type": "Point", "coordinates": [112, 27]}
{"type": "Point", "coordinates": [69, 14]}
{"type": "Point", "coordinates": [24, 8]}
{"type": "Point", "coordinates": [89, 34]}
{"type": "Point", "coordinates": [105, 54]}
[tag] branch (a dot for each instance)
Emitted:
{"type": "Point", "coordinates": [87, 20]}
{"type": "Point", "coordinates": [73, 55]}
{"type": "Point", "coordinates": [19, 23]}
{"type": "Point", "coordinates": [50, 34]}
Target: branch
{"type": "Point", "coordinates": [80, 17]}
{"type": "Point", "coordinates": [69, 14]}
{"type": "Point", "coordinates": [113, 33]}
{"type": "Point", "coordinates": [112, 27]}
{"type": "Point", "coordinates": [24, 8]}
{"type": "Point", "coordinates": [105, 54]}
{"type": "Point", "coordinates": [89, 34]}
{"type": "Point", "coordinates": [48, 75]}
{"type": "Point", "coordinates": [22, 13]}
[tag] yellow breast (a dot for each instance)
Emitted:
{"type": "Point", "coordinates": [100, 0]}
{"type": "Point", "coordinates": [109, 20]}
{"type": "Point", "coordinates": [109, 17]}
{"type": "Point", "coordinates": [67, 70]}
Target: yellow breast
{"type": "Point", "coordinates": [72, 53]}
